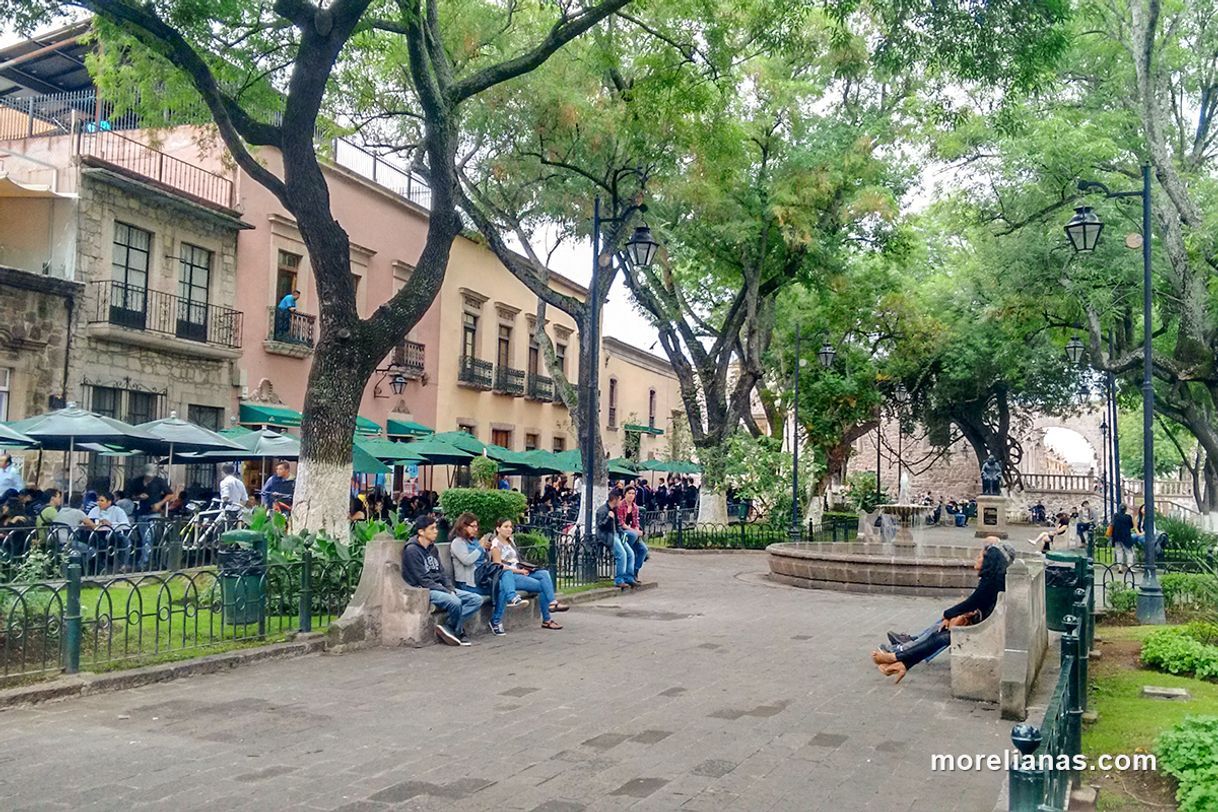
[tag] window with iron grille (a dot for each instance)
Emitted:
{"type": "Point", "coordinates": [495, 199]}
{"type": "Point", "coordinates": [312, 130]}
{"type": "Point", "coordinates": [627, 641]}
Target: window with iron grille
{"type": "Point", "coordinates": [106, 401]}
{"type": "Point", "coordinates": [141, 408]}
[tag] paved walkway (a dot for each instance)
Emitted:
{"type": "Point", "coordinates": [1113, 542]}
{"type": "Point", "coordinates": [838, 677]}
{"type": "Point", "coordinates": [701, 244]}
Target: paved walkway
{"type": "Point", "coordinates": [715, 691]}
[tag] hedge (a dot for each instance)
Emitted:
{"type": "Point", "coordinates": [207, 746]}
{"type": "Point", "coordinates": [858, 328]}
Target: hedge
{"type": "Point", "coordinates": [488, 505]}
{"type": "Point", "coordinates": [1188, 650]}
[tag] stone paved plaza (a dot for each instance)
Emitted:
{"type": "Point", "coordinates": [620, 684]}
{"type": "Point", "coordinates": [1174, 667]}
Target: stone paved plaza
{"type": "Point", "coordinates": [715, 691]}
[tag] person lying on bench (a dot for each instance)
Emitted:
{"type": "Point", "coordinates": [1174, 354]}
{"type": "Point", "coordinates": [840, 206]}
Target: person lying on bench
{"type": "Point", "coordinates": [421, 568]}
{"type": "Point", "coordinates": [991, 566]}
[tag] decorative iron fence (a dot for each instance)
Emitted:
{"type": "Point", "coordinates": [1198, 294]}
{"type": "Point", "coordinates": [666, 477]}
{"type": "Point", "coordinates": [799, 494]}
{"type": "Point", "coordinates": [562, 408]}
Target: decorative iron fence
{"type": "Point", "coordinates": [54, 625]}
{"type": "Point", "coordinates": [571, 562]}
{"type": "Point", "coordinates": [409, 355]}
{"type": "Point", "coordinates": [1041, 780]}
{"type": "Point", "coordinates": [540, 388]}
{"type": "Point", "coordinates": [128, 155]}
{"type": "Point", "coordinates": [139, 308]}
{"type": "Point", "coordinates": [150, 545]}
{"type": "Point", "coordinates": [749, 536]}
{"type": "Point", "coordinates": [289, 327]}
{"type": "Point", "coordinates": [475, 372]}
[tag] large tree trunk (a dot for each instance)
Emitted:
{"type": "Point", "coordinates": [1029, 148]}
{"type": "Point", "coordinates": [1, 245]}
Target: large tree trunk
{"type": "Point", "coordinates": [712, 496]}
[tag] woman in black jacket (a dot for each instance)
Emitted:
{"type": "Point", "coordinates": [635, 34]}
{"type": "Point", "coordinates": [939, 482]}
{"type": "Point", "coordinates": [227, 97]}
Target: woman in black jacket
{"type": "Point", "coordinates": [991, 567]}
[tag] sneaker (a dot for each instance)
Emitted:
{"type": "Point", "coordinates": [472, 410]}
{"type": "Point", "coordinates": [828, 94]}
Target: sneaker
{"type": "Point", "coordinates": [518, 601]}
{"type": "Point", "coordinates": [463, 640]}
{"type": "Point", "coordinates": [447, 637]}
{"type": "Point", "coordinates": [897, 639]}
{"type": "Point", "coordinates": [497, 629]}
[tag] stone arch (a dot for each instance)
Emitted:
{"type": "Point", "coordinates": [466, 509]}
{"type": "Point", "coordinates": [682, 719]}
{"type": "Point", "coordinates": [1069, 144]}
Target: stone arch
{"type": "Point", "coordinates": [1086, 425]}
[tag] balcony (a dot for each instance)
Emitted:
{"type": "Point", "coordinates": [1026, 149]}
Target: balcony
{"type": "Point", "coordinates": [109, 150]}
{"type": "Point", "coordinates": [509, 381]}
{"type": "Point", "coordinates": [128, 313]}
{"type": "Point", "coordinates": [540, 388]}
{"type": "Point", "coordinates": [409, 356]}
{"type": "Point", "coordinates": [475, 372]}
{"type": "Point", "coordinates": [289, 333]}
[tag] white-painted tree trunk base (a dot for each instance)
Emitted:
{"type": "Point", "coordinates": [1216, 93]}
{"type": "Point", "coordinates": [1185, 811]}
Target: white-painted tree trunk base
{"type": "Point", "coordinates": [712, 506]}
{"type": "Point", "coordinates": [322, 499]}
{"type": "Point", "coordinates": [600, 495]}
{"type": "Point", "coordinates": [815, 511]}
{"type": "Point", "coordinates": [1209, 521]}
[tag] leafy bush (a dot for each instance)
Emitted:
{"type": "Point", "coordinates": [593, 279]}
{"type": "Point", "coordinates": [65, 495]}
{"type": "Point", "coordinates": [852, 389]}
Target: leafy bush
{"type": "Point", "coordinates": [1183, 650]}
{"type": "Point", "coordinates": [488, 505]}
{"type": "Point", "coordinates": [1189, 753]}
{"type": "Point", "coordinates": [533, 547]}
{"type": "Point", "coordinates": [860, 492]}
{"type": "Point", "coordinates": [484, 471]}
{"type": "Point", "coordinates": [1190, 589]}
{"type": "Point", "coordinates": [758, 469]}
{"type": "Point", "coordinates": [1122, 599]}
{"type": "Point", "coordinates": [1185, 540]}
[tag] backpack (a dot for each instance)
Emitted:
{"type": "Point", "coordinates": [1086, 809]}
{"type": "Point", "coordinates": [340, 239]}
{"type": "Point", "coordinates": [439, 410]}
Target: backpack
{"type": "Point", "coordinates": [487, 574]}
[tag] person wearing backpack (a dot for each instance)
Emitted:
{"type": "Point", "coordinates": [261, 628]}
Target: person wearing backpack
{"type": "Point", "coordinates": [474, 571]}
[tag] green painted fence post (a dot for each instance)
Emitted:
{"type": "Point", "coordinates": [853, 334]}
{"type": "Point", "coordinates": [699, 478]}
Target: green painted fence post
{"type": "Point", "coordinates": [1025, 782]}
{"type": "Point", "coordinates": [72, 631]}
{"type": "Point", "coordinates": [306, 589]}
{"type": "Point", "coordinates": [1075, 688]}
{"type": "Point", "coordinates": [1084, 642]}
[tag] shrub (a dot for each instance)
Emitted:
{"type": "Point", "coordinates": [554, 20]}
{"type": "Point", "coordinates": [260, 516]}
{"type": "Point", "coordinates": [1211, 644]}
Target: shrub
{"type": "Point", "coordinates": [488, 505]}
{"type": "Point", "coordinates": [1122, 599]}
{"type": "Point", "coordinates": [484, 471]}
{"type": "Point", "coordinates": [860, 492]}
{"type": "Point", "coordinates": [1185, 540]}
{"type": "Point", "coordinates": [1189, 753]}
{"type": "Point", "coordinates": [533, 547]}
{"type": "Point", "coordinates": [1183, 650]}
{"type": "Point", "coordinates": [1190, 589]}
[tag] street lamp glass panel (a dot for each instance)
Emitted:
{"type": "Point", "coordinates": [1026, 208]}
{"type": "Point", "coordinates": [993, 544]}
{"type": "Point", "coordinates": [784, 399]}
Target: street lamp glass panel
{"type": "Point", "coordinates": [1074, 350]}
{"type": "Point", "coordinates": [901, 394]}
{"type": "Point", "coordinates": [826, 355]}
{"type": "Point", "coordinates": [642, 247]}
{"type": "Point", "coordinates": [397, 383]}
{"type": "Point", "coordinates": [1084, 229]}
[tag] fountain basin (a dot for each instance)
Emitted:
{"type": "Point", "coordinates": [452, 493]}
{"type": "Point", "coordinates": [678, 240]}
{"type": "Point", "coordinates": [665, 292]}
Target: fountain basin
{"type": "Point", "coordinates": [928, 570]}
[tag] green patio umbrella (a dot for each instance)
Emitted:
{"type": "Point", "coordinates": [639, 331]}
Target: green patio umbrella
{"type": "Point", "coordinates": [63, 429]}
{"type": "Point", "coordinates": [570, 460]}
{"type": "Point", "coordinates": [388, 450]}
{"type": "Point", "coordinates": [532, 463]}
{"type": "Point", "coordinates": [438, 452]}
{"type": "Point", "coordinates": [462, 440]}
{"type": "Point", "coordinates": [11, 437]}
{"type": "Point", "coordinates": [182, 436]}
{"type": "Point", "coordinates": [620, 466]}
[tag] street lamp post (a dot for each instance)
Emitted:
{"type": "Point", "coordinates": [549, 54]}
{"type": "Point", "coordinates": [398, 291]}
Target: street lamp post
{"type": "Point", "coordinates": [640, 251]}
{"type": "Point", "coordinates": [1084, 230]}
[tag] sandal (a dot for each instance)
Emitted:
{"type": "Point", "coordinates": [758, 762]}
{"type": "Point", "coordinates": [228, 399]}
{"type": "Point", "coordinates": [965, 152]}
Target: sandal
{"type": "Point", "coordinates": [558, 607]}
{"type": "Point", "coordinates": [550, 624]}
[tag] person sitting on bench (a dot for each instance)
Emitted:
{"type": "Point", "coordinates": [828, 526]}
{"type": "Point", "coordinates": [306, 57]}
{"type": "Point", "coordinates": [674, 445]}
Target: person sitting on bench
{"type": "Point", "coordinates": [421, 567]}
{"type": "Point", "coordinates": [991, 566]}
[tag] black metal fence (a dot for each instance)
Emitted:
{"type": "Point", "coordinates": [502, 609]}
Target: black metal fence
{"type": "Point", "coordinates": [750, 536]}
{"type": "Point", "coordinates": [571, 562]}
{"type": "Point", "coordinates": [1045, 772]}
{"type": "Point", "coordinates": [92, 622]}
{"type": "Point", "coordinates": [290, 327]}
{"type": "Point", "coordinates": [108, 147]}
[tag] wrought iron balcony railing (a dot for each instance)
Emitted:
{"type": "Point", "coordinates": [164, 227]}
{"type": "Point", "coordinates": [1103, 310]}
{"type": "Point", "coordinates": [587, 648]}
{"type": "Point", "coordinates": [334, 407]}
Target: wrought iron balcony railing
{"type": "Point", "coordinates": [127, 155]}
{"type": "Point", "coordinates": [409, 356]}
{"type": "Point", "coordinates": [509, 381]}
{"type": "Point", "coordinates": [289, 327]}
{"type": "Point", "coordinates": [138, 308]}
{"type": "Point", "coordinates": [475, 372]}
{"type": "Point", "coordinates": [540, 388]}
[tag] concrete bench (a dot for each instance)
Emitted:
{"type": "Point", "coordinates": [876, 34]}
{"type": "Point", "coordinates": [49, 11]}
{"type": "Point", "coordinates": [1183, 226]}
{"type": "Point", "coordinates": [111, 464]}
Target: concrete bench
{"type": "Point", "coordinates": [999, 659]}
{"type": "Point", "coordinates": [385, 611]}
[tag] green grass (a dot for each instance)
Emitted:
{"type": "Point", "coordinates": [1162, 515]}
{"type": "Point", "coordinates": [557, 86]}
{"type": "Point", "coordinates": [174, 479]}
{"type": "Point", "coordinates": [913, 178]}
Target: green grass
{"type": "Point", "coordinates": [575, 590]}
{"type": "Point", "coordinates": [1128, 722]}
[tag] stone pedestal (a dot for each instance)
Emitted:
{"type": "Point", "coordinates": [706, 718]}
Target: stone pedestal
{"type": "Point", "coordinates": [992, 516]}
{"type": "Point", "coordinates": [384, 611]}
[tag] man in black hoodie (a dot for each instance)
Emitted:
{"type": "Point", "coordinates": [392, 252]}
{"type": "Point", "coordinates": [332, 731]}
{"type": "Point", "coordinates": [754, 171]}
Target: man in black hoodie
{"type": "Point", "coordinates": [421, 568]}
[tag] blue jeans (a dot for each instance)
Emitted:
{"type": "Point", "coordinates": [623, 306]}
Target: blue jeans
{"type": "Point", "coordinates": [507, 591]}
{"type": "Point", "coordinates": [623, 559]}
{"type": "Point", "coordinates": [459, 605]}
{"type": "Point", "coordinates": [539, 583]}
{"type": "Point", "coordinates": [634, 540]}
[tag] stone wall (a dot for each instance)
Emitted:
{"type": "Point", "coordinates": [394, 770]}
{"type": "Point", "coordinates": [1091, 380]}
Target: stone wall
{"type": "Point", "coordinates": [34, 316]}
{"type": "Point", "coordinates": [186, 372]}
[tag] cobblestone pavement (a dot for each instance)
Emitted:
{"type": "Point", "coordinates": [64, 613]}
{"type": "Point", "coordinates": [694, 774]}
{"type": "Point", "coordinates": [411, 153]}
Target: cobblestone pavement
{"type": "Point", "coordinates": [715, 691]}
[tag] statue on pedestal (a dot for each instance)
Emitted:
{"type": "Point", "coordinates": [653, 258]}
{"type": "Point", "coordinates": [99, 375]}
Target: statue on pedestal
{"type": "Point", "coordinates": [991, 477]}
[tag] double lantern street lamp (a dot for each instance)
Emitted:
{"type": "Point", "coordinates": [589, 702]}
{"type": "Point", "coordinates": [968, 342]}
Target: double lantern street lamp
{"type": "Point", "coordinates": [640, 252]}
{"type": "Point", "coordinates": [825, 355]}
{"type": "Point", "coordinates": [1083, 230]}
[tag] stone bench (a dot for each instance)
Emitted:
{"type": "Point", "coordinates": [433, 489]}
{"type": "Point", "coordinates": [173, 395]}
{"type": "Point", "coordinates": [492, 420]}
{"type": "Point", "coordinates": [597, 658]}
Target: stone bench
{"type": "Point", "coordinates": [386, 611]}
{"type": "Point", "coordinates": [999, 659]}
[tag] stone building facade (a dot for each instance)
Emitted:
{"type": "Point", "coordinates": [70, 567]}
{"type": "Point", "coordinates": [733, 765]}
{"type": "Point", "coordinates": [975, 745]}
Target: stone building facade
{"type": "Point", "coordinates": [36, 314]}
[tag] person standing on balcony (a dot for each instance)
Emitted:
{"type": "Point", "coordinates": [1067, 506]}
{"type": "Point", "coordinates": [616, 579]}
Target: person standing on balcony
{"type": "Point", "coordinates": [283, 315]}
